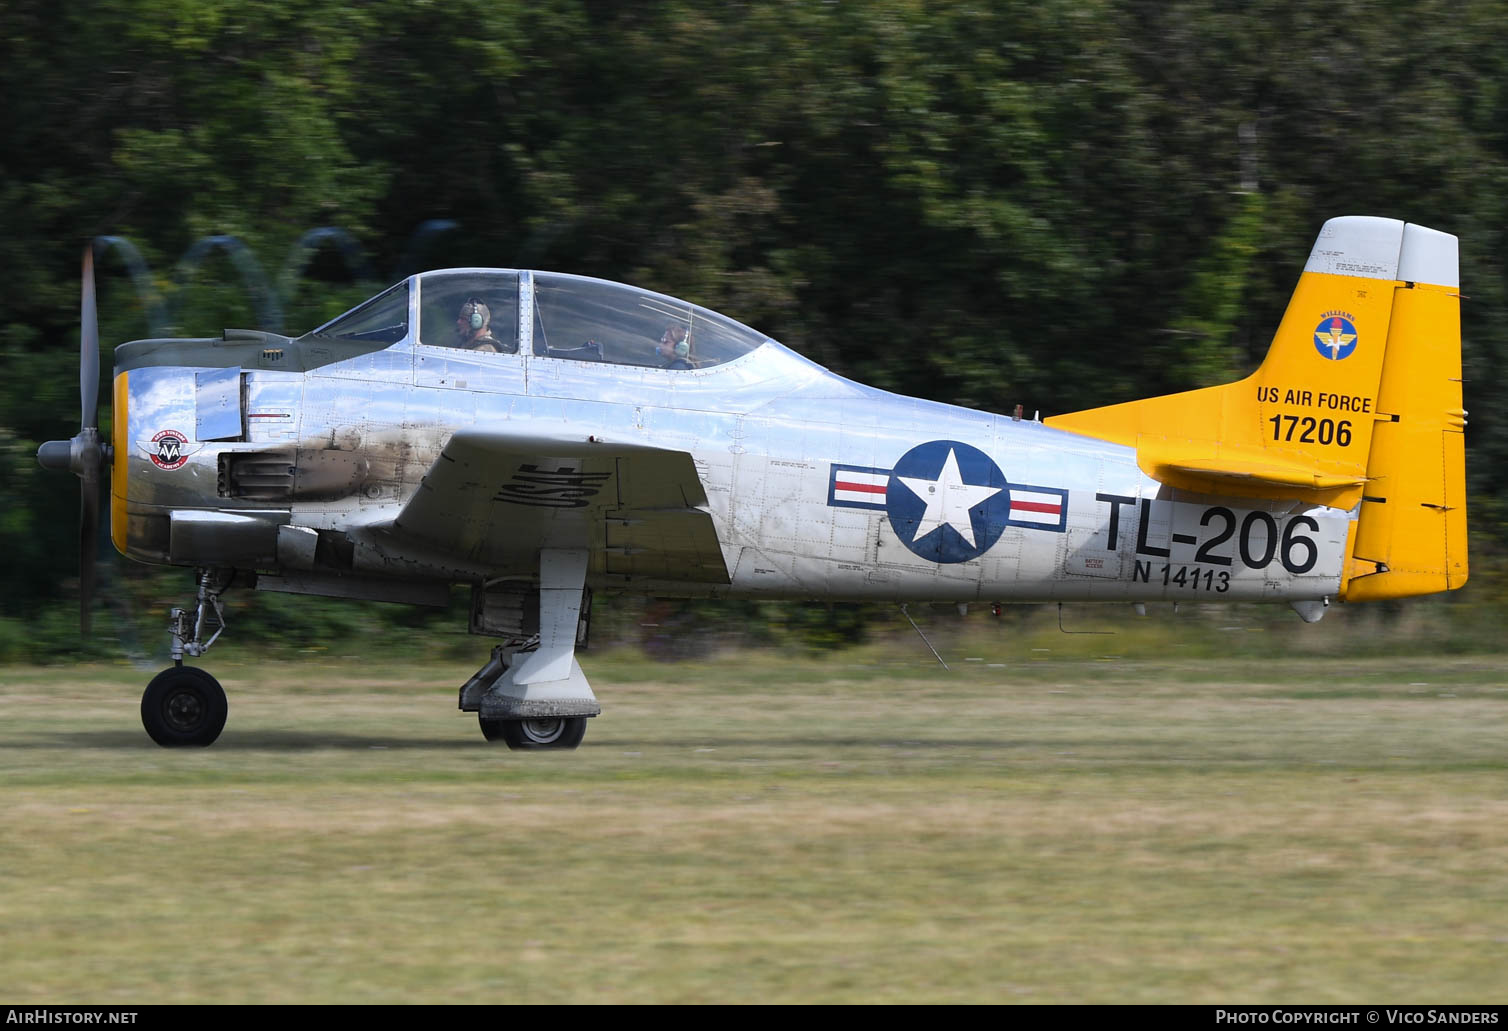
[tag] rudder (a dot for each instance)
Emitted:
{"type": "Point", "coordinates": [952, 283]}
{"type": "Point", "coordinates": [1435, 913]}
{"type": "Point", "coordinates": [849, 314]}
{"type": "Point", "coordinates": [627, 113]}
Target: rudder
{"type": "Point", "coordinates": [1411, 534]}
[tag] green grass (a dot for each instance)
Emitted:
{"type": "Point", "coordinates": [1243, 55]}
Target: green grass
{"type": "Point", "coordinates": [1102, 821]}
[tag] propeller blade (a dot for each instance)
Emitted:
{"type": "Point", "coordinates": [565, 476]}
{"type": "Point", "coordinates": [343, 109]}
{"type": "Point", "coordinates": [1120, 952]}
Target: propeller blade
{"type": "Point", "coordinates": [84, 455]}
{"type": "Point", "coordinates": [89, 345]}
{"type": "Point", "coordinates": [88, 545]}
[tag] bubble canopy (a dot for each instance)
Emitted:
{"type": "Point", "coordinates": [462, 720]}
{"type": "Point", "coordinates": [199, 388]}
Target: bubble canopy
{"type": "Point", "coordinates": [571, 318]}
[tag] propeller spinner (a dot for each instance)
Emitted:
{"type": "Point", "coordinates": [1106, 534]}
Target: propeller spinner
{"type": "Point", "coordinates": [85, 453]}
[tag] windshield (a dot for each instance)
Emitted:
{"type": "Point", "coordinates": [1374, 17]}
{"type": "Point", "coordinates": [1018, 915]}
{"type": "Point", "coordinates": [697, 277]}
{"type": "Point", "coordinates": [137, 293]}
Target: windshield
{"type": "Point", "coordinates": [383, 319]}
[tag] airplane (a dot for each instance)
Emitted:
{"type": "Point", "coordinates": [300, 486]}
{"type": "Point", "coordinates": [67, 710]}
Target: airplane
{"type": "Point", "coordinates": [542, 437]}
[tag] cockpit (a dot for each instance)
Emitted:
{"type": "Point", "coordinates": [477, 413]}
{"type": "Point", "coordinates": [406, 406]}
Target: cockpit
{"type": "Point", "coordinates": [570, 318]}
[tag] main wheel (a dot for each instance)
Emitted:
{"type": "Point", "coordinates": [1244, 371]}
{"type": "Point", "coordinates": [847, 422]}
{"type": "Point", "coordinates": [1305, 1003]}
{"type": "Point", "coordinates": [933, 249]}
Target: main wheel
{"type": "Point", "coordinates": [561, 732]}
{"type": "Point", "coordinates": [183, 705]}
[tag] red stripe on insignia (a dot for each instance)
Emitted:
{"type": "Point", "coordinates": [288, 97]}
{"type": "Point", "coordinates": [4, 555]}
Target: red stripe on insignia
{"type": "Point", "coordinates": [865, 488]}
{"type": "Point", "coordinates": [1036, 506]}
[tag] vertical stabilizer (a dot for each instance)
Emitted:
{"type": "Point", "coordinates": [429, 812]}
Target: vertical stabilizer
{"type": "Point", "coordinates": [1358, 402]}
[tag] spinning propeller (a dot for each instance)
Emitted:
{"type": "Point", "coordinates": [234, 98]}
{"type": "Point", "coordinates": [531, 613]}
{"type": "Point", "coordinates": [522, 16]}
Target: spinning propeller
{"type": "Point", "coordinates": [85, 454]}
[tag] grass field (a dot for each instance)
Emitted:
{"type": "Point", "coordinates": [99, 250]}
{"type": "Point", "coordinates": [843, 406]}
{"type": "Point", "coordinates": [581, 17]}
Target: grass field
{"type": "Point", "coordinates": [1032, 827]}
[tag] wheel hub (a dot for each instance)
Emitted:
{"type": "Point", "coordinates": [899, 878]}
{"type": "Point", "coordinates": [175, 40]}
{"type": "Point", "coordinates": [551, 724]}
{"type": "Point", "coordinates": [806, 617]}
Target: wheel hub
{"type": "Point", "coordinates": [184, 710]}
{"type": "Point", "coordinates": [543, 732]}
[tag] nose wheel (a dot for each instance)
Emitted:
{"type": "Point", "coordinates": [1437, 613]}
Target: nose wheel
{"type": "Point", "coordinates": [183, 706]}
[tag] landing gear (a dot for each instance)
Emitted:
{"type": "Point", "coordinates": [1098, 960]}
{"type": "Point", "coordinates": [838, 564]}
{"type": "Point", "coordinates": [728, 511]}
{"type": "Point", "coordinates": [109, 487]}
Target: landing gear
{"type": "Point", "coordinates": [562, 732]}
{"type": "Point", "coordinates": [505, 717]}
{"type": "Point", "coordinates": [183, 706]}
{"type": "Point", "coordinates": [532, 694]}
{"type": "Point", "coordinates": [189, 632]}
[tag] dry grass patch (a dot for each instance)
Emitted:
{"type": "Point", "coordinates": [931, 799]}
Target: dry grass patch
{"type": "Point", "coordinates": [770, 831]}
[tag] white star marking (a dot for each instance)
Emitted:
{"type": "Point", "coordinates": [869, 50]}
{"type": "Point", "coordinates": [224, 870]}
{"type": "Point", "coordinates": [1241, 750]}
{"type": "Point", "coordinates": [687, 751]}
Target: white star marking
{"type": "Point", "coordinates": [948, 500]}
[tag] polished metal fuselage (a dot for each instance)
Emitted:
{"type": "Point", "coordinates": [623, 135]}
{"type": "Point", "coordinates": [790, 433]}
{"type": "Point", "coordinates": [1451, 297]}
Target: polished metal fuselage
{"type": "Point", "coordinates": [771, 436]}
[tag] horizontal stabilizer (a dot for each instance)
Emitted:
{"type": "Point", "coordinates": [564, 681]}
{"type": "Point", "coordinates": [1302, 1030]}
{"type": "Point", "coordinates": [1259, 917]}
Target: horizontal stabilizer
{"type": "Point", "coordinates": [1224, 469]}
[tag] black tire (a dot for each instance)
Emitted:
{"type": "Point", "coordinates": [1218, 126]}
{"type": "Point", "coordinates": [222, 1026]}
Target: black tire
{"type": "Point", "coordinates": [492, 730]}
{"type": "Point", "coordinates": [184, 706]}
{"type": "Point", "coordinates": [562, 733]}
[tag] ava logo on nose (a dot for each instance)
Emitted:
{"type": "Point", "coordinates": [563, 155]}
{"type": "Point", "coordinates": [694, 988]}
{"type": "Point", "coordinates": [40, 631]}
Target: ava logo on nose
{"type": "Point", "coordinates": [168, 449]}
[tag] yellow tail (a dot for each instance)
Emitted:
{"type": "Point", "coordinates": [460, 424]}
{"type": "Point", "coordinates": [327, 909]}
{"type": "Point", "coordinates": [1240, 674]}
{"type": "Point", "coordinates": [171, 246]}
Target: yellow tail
{"type": "Point", "coordinates": [1356, 406]}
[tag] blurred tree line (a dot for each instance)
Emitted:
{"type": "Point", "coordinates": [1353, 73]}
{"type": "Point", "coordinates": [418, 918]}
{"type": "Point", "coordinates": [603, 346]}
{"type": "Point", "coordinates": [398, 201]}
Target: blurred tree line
{"type": "Point", "coordinates": [1062, 204]}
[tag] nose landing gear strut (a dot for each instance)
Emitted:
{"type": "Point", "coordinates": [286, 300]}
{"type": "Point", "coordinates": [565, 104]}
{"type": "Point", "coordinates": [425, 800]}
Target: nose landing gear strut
{"type": "Point", "coordinates": [183, 705]}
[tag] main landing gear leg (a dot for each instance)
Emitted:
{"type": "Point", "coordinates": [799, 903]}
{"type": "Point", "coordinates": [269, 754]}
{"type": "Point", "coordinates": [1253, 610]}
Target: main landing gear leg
{"type": "Point", "coordinates": [183, 705]}
{"type": "Point", "coordinates": [534, 695]}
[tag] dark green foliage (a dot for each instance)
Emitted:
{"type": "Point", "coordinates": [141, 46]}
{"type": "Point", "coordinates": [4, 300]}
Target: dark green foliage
{"type": "Point", "coordinates": [1061, 204]}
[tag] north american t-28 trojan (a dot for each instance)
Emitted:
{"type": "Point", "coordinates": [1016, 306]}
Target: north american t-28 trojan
{"type": "Point", "coordinates": [540, 437]}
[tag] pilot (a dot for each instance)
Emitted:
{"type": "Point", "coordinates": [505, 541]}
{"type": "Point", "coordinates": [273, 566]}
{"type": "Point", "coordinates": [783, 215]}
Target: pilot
{"type": "Point", "coordinates": [474, 327]}
{"type": "Point", "coordinates": [675, 347]}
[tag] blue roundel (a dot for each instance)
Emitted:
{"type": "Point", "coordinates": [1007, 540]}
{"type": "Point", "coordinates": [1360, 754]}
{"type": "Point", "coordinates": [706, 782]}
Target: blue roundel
{"type": "Point", "coordinates": [947, 501]}
{"type": "Point", "coordinates": [1335, 337]}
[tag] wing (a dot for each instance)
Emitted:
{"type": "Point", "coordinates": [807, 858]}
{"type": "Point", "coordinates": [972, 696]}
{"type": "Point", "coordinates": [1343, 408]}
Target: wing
{"type": "Point", "coordinates": [495, 500]}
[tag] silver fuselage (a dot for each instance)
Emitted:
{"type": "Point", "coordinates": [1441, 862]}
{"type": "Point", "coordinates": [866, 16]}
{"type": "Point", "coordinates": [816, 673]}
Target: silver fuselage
{"type": "Point", "coordinates": [798, 468]}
